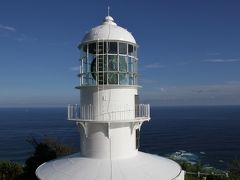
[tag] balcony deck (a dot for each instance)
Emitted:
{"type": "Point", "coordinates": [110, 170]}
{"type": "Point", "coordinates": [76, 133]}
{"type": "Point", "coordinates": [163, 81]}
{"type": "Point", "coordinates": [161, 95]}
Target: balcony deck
{"type": "Point", "coordinates": [89, 113]}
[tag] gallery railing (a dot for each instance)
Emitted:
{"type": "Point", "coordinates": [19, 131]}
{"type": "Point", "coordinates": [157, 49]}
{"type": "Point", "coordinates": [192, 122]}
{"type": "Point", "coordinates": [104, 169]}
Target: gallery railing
{"type": "Point", "coordinates": [91, 113]}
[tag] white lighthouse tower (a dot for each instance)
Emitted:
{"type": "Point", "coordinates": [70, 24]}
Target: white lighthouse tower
{"type": "Point", "coordinates": [109, 116]}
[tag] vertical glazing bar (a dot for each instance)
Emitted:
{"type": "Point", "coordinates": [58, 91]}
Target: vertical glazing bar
{"type": "Point", "coordinates": [107, 59]}
{"type": "Point", "coordinates": [97, 74]}
{"type": "Point", "coordinates": [87, 57]}
{"type": "Point", "coordinates": [93, 111]}
{"type": "Point", "coordinates": [135, 56]}
{"type": "Point", "coordinates": [82, 72]}
{"type": "Point", "coordinates": [103, 61]}
{"type": "Point", "coordinates": [118, 62]}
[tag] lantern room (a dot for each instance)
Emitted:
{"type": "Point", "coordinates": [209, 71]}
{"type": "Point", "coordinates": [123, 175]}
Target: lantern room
{"type": "Point", "coordinates": [106, 57]}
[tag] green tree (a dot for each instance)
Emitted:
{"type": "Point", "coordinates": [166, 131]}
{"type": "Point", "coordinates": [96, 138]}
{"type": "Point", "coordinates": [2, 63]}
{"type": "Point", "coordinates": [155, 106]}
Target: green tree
{"type": "Point", "coordinates": [234, 169]}
{"type": "Point", "coordinates": [10, 170]}
{"type": "Point", "coordinates": [45, 150]}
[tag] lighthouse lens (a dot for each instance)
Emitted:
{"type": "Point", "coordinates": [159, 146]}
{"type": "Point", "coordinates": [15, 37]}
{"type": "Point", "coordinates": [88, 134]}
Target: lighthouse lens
{"type": "Point", "coordinates": [109, 63]}
{"type": "Point", "coordinates": [122, 63]}
{"type": "Point", "coordinates": [112, 63]}
{"type": "Point", "coordinates": [123, 76]}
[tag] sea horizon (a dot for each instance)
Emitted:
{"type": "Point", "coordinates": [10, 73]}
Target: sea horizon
{"type": "Point", "coordinates": [206, 134]}
{"type": "Point", "coordinates": [193, 105]}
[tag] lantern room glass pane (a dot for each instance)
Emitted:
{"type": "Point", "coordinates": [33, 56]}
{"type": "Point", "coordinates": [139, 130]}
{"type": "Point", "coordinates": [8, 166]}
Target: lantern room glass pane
{"type": "Point", "coordinates": [84, 48]}
{"type": "Point", "coordinates": [124, 78]}
{"type": "Point", "coordinates": [131, 79]}
{"type": "Point", "coordinates": [130, 50]}
{"type": "Point", "coordinates": [92, 48]}
{"type": "Point", "coordinates": [135, 51]}
{"type": "Point", "coordinates": [130, 64]}
{"type": "Point", "coordinates": [108, 62]}
{"type": "Point", "coordinates": [100, 47]}
{"type": "Point", "coordinates": [123, 63]}
{"type": "Point", "coordinates": [122, 48]}
{"type": "Point", "coordinates": [112, 48]}
{"type": "Point", "coordinates": [112, 63]}
{"type": "Point", "coordinates": [112, 78]}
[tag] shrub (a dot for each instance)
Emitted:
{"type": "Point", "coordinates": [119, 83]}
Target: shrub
{"type": "Point", "coordinates": [45, 150]}
{"type": "Point", "coordinates": [10, 170]}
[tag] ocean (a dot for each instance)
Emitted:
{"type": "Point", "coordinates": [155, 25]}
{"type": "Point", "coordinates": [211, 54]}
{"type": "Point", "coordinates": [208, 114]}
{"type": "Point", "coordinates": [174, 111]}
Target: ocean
{"type": "Point", "coordinates": [207, 134]}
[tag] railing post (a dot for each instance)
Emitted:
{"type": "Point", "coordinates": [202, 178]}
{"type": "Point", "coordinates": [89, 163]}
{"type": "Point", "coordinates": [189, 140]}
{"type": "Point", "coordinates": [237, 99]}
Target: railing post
{"type": "Point", "coordinates": [84, 112]}
{"type": "Point", "coordinates": [81, 112]}
{"type": "Point", "coordinates": [149, 110]}
{"type": "Point", "coordinates": [76, 111]}
{"type": "Point", "coordinates": [72, 112]}
{"type": "Point", "coordinates": [90, 111]}
{"type": "Point", "coordinates": [146, 115]}
{"type": "Point", "coordinates": [68, 111]}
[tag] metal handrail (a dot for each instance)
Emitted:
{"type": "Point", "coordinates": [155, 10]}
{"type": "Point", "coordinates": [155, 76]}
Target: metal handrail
{"type": "Point", "coordinates": [89, 113]}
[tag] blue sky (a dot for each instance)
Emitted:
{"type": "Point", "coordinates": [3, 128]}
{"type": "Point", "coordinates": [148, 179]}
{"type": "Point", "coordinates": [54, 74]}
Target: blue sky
{"type": "Point", "coordinates": [189, 50]}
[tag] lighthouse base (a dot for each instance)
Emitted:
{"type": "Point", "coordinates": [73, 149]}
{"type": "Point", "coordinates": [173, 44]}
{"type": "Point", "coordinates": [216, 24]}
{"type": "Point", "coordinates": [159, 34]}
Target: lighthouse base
{"type": "Point", "coordinates": [142, 166]}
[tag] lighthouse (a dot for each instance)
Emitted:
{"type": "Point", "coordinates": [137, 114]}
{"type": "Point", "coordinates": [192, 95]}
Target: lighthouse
{"type": "Point", "coordinates": [109, 115]}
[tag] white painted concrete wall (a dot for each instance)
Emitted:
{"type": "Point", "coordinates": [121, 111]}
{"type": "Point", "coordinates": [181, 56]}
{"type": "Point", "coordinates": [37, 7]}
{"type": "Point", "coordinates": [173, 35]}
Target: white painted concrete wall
{"type": "Point", "coordinates": [110, 101]}
{"type": "Point", "coordinates": [109, 140]}
{"type": "Point", "coordinates": [120, 143]}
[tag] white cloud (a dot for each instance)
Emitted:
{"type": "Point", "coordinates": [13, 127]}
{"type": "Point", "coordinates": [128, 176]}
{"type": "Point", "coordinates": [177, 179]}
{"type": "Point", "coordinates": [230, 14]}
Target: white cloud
{"type": "Point", "coordinates": [154, 66]}
{"type": "Point", "coordinates": [7, 28]}
{"type": "Point", "coordinates": [227, 93]}
{"type": "Point", "coordinates": [233, 82]}
{"type": "Point", "coordinates": [11, 33]}
{"type": "Point", "coordinates": [218, 60]}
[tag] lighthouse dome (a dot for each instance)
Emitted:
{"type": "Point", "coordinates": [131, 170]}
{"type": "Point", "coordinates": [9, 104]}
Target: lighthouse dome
{"type": "Point", "coordinates": [108, 30]}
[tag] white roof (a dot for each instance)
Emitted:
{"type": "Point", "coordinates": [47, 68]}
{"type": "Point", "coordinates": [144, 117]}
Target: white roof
{"type": "Point", "coordinates": [109, 30]}
{"type": "Point", "coordinates": [140, 167]}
